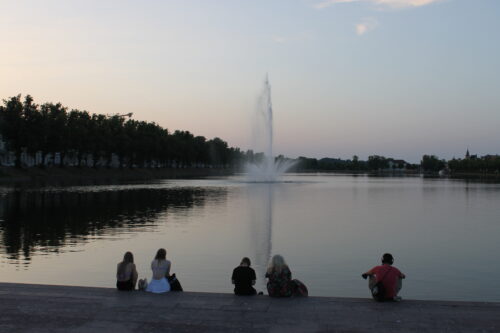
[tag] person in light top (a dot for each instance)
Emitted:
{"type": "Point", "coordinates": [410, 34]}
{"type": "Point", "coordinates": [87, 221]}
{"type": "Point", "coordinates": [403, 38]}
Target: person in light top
{"type": "Point", "coordinates": [161, 268]}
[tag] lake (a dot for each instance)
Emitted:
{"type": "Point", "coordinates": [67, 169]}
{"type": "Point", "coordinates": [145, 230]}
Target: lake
{"type": "Point", "coordinates": [444, 234]}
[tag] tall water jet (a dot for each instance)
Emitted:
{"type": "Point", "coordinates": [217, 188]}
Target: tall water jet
{"type": "Point", "coordinates": [266, 169]}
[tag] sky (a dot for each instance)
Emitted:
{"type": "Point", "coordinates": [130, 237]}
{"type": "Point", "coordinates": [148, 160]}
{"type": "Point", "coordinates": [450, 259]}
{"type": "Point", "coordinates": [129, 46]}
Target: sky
{"type": "Point", "coordinates": [399, 78]}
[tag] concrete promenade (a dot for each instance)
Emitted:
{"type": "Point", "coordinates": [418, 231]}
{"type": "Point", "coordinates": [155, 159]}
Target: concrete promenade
{"type": "Point", "coordinates": [41, 308]}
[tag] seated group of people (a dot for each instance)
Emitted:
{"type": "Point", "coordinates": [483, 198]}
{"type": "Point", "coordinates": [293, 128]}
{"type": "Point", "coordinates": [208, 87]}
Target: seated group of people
{"type": "Point", "coordinates": [385, 279]}
{"type": "Point", "coordinates": [126, 273]}
{"type": "Point", "coordinates": [279, 279]}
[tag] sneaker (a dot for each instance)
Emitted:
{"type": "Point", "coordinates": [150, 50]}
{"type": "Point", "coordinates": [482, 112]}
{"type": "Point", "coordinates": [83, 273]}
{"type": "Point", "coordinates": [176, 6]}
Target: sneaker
{"type": "Point", "coordinates": [260, 293]}
{"type": "Point", "coordinates": [397, 299]}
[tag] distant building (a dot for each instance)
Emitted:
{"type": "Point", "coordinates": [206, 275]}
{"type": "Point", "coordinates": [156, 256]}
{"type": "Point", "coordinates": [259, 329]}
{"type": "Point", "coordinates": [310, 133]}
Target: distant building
{"type": "Point", "coordinates": [468, 156]}
{"type": "Point", "coordinates": [7, 158]}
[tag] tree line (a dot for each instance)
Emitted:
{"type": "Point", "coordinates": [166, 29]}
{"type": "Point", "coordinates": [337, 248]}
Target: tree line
{"type": "Point", "coordinates": [98, 140]}
{"type": "Point", "coordinates": [468, 164]}
{"type": "Point", "coordinates": [428, 164]}
{"type": "Point", "coordinates": [52, 128]}
{"type": "Point", "coordinates": [373, 163]}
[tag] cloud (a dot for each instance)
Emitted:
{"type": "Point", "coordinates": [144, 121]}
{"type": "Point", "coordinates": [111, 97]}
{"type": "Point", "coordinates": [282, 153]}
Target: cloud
{"type": "Point", "coordinates": [366, 25]}
{"type": "Point", "coordinates": [404, 3]}
{"type": "Point", "coordinates": [329, 3]}
{"type": "Point", "coordinates": [380, 3]}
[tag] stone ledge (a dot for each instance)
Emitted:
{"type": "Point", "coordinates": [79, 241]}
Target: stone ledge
{"type": "Point", "coordinates": [47, 308]}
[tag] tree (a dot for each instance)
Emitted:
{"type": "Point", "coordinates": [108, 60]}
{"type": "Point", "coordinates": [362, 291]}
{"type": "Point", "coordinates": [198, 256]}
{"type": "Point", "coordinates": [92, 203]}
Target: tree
{"type": "Point", "coordinates": [13, 126]}
{"type": "Point", "coordinates": [50, 128]}
{"type": "Point", "coordinates": [376, 162]}
{"type": "Point", "coordinates": [432, 163]}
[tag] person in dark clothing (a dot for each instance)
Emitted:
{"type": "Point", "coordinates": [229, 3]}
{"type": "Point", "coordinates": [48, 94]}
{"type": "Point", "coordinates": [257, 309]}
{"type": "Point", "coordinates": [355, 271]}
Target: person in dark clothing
{"type": "Point", "coordinates": [244, 278]}
{"type": "Point", "coordinates": [279, 283]}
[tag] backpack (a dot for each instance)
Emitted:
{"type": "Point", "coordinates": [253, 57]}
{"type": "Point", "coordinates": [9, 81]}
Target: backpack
{"type": "Point", "coordinates": [300, 288]}
{"type": "Point", "coordinates": [143, 284]}
{"type": "Point", "coordinates": [175, 285]}
{"type": "Point", "coordinates": [378, 290]}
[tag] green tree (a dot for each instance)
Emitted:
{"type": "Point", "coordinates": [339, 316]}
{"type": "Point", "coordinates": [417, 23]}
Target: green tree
{"type": "Point", "coordinates": [432, 163]}
{"type": "Point", "coordinates": [13, 126]}
{"type": "Point", "coordinates": [376, 162]}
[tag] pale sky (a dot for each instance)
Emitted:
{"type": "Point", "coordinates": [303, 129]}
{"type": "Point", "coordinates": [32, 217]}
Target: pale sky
{"type": "Point", "coordinates": [399, 78]}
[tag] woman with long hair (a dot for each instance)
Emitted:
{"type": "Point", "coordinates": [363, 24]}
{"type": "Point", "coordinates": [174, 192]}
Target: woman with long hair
{"type": "Point", "coordinates": [161, 268]}
{"type": "Point", "coordinates": [279, 282]}
{"type": "Point", "coordinates": [126, 273]}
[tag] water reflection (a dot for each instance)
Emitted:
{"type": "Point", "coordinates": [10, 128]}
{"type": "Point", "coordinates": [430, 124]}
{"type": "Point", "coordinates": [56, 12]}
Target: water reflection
{"type": "Point", "coordinates": [261, 202]}
{"type": "Point", "coordinates": [46, 221]}
{"type": "Point", "coordinates": [328, 227]}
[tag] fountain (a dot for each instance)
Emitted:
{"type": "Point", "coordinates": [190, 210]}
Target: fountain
{"type": "Point", "coordinates": [266, 170]}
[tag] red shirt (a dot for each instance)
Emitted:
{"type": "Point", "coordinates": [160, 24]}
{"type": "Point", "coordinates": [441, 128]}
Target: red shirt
{"type": "Point", "coordinates": [389, 276]}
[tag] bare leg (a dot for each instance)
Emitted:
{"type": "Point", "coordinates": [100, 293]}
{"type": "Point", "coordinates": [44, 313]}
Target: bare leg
{"type": "Point", "coordinates": [399, 285]}
{"type": "Point", "coordinates": [371, 282]}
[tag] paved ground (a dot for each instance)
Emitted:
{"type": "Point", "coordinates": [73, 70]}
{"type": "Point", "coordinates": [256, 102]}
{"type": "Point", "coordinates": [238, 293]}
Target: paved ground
{"type": "Point", "coordinates": [39, 308]}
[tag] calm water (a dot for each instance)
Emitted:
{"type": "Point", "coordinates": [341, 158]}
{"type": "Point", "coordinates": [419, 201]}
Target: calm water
{"type": "Point", "coordinates": [444, 234]}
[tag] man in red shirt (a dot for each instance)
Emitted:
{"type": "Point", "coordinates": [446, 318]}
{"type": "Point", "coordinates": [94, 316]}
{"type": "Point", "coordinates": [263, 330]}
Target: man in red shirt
{"type": "Point", "coordinates": [390, 277]}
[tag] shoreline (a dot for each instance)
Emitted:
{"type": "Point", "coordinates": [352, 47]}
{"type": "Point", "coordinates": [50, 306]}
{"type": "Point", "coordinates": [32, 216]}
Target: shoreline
{"type": "Point", "coordinates": [86, 175]}
{"type": "Point", "coordinates": [51, 308]}
{"type": "Point", "coordinates": [91, 176]}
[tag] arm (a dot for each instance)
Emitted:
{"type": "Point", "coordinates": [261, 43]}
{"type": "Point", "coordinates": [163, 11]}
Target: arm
{"type": "Point", "coordinates": [400, 274]}
{"type": "Point", "coordinates": [134, 274]}
{"type": "Point", "coordinates": [233, 277]}
{"type": "Point", "coordinates": [168, 268]}
{"type": "Point", "coordinates": [371, 272]}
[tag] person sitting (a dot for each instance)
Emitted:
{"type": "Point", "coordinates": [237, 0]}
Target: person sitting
{"type": "Point", "coordinates": [244, 278]}
{"type": "Point", "coordinates": [390, 277]}
{"type": "Point", "coordinates": [161, 268]}
{"type": "Point", "coordinates": [126, 273]}
{"type": "Point", "coordinates": [279, 278]}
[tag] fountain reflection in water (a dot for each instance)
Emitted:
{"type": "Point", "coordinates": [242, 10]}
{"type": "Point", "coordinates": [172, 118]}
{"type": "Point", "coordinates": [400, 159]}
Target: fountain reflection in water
{"type": "Point", "coordinates": [261, 205]}
{"type": "Point", "coordinates": [267, 169]}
